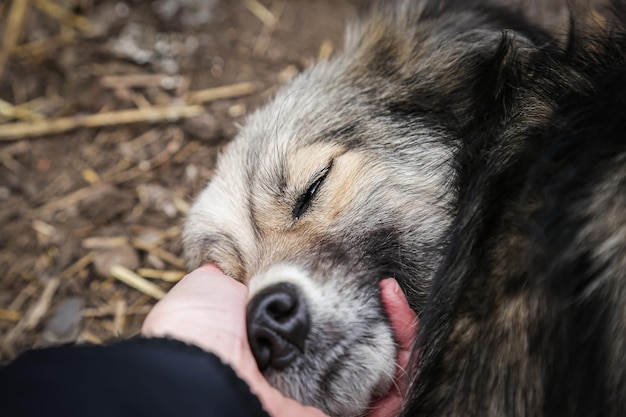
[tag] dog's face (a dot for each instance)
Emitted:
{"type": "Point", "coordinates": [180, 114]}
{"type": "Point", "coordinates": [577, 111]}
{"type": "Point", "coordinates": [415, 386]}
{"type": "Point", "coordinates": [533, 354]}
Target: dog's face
{"type": "Point", "coordinates": [316, 201]}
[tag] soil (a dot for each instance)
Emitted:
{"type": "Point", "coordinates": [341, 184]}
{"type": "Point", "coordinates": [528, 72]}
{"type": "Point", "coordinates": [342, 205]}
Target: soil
{"type": "Point", "coordinates": [75, 204]}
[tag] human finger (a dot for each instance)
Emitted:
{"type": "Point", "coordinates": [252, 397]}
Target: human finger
{"type": "Point", "coordinates": [404, 322]}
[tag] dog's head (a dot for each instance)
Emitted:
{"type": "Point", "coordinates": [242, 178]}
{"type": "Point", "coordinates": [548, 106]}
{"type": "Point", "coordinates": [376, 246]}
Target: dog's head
{"type": "Point", "coordinates": [345, 178]}
{"type": "Point", "coordinates": [312, 215]}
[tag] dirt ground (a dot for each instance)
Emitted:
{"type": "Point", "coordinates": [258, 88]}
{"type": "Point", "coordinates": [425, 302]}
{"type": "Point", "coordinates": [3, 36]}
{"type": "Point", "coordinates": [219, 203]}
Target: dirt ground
{"type": "Point", "coordinates": [82, 191]}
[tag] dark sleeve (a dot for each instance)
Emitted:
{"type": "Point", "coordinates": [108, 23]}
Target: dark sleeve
{"type": "Point", "coordinates": [138, 377]}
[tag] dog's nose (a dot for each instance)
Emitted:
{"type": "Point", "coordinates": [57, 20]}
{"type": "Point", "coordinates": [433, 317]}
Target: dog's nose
{"type": "Point", "coordinates": [278, 324]}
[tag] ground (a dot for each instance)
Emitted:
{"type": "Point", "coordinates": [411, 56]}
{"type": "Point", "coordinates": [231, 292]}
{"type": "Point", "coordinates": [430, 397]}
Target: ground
{"type": "Point", "coordinates": [82, 195]}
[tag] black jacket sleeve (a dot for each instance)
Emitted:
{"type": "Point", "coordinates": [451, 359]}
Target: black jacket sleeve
{"type": "Point", "coordinates": [137, 377]}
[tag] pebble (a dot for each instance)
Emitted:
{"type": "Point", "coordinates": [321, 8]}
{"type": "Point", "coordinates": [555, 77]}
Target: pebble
{"type": "Point", "coordinates": [64, 325]}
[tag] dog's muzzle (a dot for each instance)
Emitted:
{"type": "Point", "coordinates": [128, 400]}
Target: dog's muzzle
{"type": "Point", "coordinates": [278, 325]}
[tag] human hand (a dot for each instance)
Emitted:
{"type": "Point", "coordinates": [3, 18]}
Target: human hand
{"type": "Point", "coordinates": [207, 309]}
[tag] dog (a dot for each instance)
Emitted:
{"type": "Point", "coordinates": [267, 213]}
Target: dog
{"type": "Point", "coordinates": [475, 158]}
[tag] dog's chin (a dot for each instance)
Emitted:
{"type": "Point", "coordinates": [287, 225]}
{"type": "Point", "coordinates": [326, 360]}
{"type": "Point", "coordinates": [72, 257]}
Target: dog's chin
{"type": "Point", "coordinates": [344, 381]}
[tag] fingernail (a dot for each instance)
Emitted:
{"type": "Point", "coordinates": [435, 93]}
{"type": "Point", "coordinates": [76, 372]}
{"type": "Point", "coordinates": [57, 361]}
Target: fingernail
{"type": "Point", "coordinates": [213, 267]}
{"type": "Point", "coordinates": [396, 286]}
{"type": "Point", "coordinates": [210, 265]}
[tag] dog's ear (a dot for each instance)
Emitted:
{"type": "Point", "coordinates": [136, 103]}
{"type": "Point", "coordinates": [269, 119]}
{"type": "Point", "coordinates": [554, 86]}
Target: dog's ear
{"type": "Point", "coordinates": [498, 72]}
{"type": "Point", "coordinates": [459, 59]}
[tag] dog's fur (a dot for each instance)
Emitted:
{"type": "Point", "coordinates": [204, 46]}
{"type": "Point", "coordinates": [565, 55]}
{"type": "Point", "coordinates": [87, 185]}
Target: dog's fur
{"type": "Point", "coordinates": [465, 152]}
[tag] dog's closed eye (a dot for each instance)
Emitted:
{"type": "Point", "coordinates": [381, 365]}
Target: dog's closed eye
{"type": "Point", "coordinates": [304, 201]}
